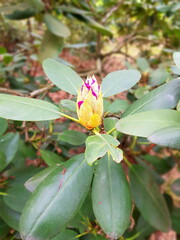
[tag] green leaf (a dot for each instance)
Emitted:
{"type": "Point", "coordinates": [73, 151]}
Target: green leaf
{"type": "Point", "coordinates": [51, 46]}
{"type": "Point", "coordinates": [158, 77]}
{"type": "Point", "coordinates": [51, 158]}
{"type": "Point", "coordinates": [69, 104]}
{"type": "Point", "coordinates": [119, 81]}
{"type": "Point", "coordinates": [175, 187]}
{"type": "Point", "coordinates": [2, 161]}
{"type": "Point", "coordinates": [62, 76]}
{"type": "Point", "coordinates": [9, 216]}
{"type": "Point", "coordinates": [118, 106]}
{"type": "Point", "coordinates": [66, 235]}
{"type": "Point", "coordinates": [148, 198]}
{"type": "Point", "coordinates": [4, 229]}
{"type": "Point", "coordinates": [27, 109]}
{"type": "Point", "coordinates": [165, 96]}
{"type": "Point", "coordinates": [176, 220]}
{"type": "Point", "coordinates": [111, 198]}
{"type": "Point", "coordinates": [109, 123]}
{"type": "Point", "coordinates": [98, 145]}
{"type": "Point", "coordinates": [32, 183]}
{"type": "Point", "coordinates": [72, 137]}
{"type": "Point", "coordinates": [4, 125]}
{"type": "Point", "coordinates": [55, 26]}
{"type": "Point", "coordinates": [143, 124]}
{"type": "Point", "coordinates": [143, 65]}
{"type": "Point", "coordinates": [169, 137]}
{"type": "Point", "coordinates": [17, 197]}
{"type": "Point", "coordinates": [51, 206]}
{"type": "Point", "coordinates": [176, 58]}
{"type": "Point", "coordinates": [175, 70]}
{"type": "Point", "coordinates": [8, 148]}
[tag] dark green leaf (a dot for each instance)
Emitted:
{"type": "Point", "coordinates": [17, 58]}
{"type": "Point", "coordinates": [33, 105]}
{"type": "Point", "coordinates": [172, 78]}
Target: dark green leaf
{"type": "Point", "coordinates": [62, 76]}
{"type": "Point", "coordinates": [4, 125]}
{"type": "Point", "coordinates": [175, 187]}
{"type": "Point", "coordinates": [148, 198]}
{"type": "Point", "coordinates": [66, 235]}
{"type": "Point", "coordinates": [4, 229]}
{"type": "Point", "coordinates": [51, 207]}
{"type": "Point", "coordinates": [143, 124]}
{"type": "Point", "coordinates": [51, 158]}
{"type": "Point", "coordinates": [119, 81]}
{"type": "Point", "coordinates": [111, 198]}
{"type": "Point", "coordinates": [165, 96]}
{"type": "Point", "coordinates": [27, 109]}
{"type": "Point", "coordinates": [72, 137]}
{"type": "Point", "coordinates": [169, 137]}
{"type": "Point", "coordinates": [9, 216]}
{"type": "Point", "coordinates": [8, 148]}
{"type": "Point", "coordinates": [176, 220]}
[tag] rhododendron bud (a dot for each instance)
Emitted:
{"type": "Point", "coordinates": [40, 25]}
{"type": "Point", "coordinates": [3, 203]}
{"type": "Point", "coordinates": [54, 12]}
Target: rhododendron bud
{"type": "Point", "coordinates": [90, 104]}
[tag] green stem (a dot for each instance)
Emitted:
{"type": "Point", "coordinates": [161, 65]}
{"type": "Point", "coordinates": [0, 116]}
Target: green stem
{"type": "Point", "coordinates": [133, 142]}
{"type": "Point", "coordinates": [95, 131]}
{"type": "Point", "coordinates": [134, 237]}
{"type": "Point", "coordinates": [69, 117]}
{"type": "Point", "coordinates": [127, 161]}
{"type": "Point", "coordinates": [112, 130]}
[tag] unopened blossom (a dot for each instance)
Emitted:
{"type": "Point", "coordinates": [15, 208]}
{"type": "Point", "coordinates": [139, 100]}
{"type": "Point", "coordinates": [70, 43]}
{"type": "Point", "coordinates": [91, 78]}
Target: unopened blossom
{"type": "Point", "coordinates": [90, 104]}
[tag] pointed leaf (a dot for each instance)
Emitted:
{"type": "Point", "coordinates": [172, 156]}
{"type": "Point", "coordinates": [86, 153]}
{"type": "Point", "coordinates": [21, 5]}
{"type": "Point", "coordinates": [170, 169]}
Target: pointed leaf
{"type": "Point", "coordinates": [51, 206]}
{"type": "Point", "coordinates": [119, 81]}
{"type": "Point", "coordinates": [111, 198]}
{"type": "Point", "coordinates": [62, 76]}
{"type": "Point", "coordinates": [165, 96]}
{"type": "Point", "coordinates": [4, 125]}
{"type": "Point", "coordinates": [148, 198]}
{"type": "Point", "coordinates": [27, 109]}
{"type": "Point", "coordinates": [144, 124]}
{"type": "Point", "coordinates": [169, 137]}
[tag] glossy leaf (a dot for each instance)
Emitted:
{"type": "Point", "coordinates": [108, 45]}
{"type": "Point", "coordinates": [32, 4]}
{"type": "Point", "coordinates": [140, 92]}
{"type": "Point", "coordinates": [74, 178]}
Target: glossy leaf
{"type": "Point", "coordinates": [111, 198]}
{"type": "Point", "coordinates": [51, 46]}
{"type": "Point", "coordinates": [143, 124]}
{"type": "Point", "coordinates": [27, 109]}
{"type": "Point", "coordinates": [72, 137]}
{"type": "Point", "coordinates": [55, 26]}
{"type": "Point", "coordinates": [119, 81]}
{"type": "Point", "coordinates": [66, 235]}
{"type": "Point", "coordinates": [169, 137]}
{"type": "Point", "coordinates": [8, 148]}
{"type": "Point", "coordinates": [51, 158]}
{"type": "Point", "coordinates": [50, 207]}
{"type": "Point", "coordinates": [9, 216]}
{"type": "Point", "coordinates": [3, 125]}
{"type": "Point", "coordinates": [98, 145]}
{"type": "Point", "coordinates": [148, 198]}
{"type": "Point", "coordinates": [32, 183]}
{"type": "Point", "coordinates": [62, 76]}
{"type": "Point", "coordinates": [165, 96]}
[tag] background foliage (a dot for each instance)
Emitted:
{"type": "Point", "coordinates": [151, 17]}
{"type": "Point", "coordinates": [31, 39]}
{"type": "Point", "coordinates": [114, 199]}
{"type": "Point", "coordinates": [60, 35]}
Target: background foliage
{"type": "Point", "coordinates": [93, 37]}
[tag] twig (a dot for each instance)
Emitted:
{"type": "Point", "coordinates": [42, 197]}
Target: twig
{"type": "Point", "coordinates": [6, 90]}
{"type": "Point", "coordinates": [112, 10]}
{"type": "Point", "coordinates": [41, 90]}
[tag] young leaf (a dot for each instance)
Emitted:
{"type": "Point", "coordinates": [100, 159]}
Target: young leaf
{"type": "Point", "coordinates": [62, 76]}
{"type": "Point", "coordinates": [144, 124]}
{"type": "Point", "coordinates": [148, 198]}
{"type": "Point", "coordinates": [165, 96]}
{"type": "Point", "coordinates": [27, 109]}
{"type": "Point", "coordinates": [169, 137]}
{"type": "Point", "coordinates": [56, 200]}
{"type": "Point", "coordinates": [98, 145]}
{"type": "Point", "coordinates": [111, 198]}
{"type": "Point", "coordinates": [119, 81]}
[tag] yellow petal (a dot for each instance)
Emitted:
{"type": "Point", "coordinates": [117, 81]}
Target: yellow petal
{"type": "Point", "coordinates": [85, 113]}
{"type": "Point", "coordinates": [99, 106]}
{"type": "Point", "coordinates": [94, 121]}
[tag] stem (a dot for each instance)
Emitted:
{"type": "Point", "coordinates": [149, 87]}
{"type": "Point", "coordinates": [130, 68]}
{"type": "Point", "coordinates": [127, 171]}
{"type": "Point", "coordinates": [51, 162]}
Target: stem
{"type": "Point", "coordinates": [112, 130]}
{"type": "Point", "coordinates": [69, 117]}
{"type": "Point", "coordinates": [127, 161]}
{"type": "Point", "coordinates": [133, 142]}
{"type": "Point", "coordinates": [135, 236]}
{"type": "Point", "coordinates": [95, 131]}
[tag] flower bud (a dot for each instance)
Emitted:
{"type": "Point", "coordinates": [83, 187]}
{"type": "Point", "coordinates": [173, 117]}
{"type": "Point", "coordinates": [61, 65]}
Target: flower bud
{"type": "Point", "coordinates": [90, 104]}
